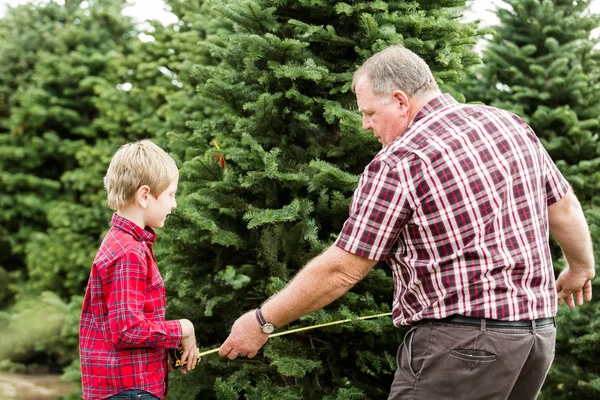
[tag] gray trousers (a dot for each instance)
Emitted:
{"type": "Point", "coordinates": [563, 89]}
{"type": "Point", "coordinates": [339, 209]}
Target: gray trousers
{"type": "Point", "coordinates": [446, 361]}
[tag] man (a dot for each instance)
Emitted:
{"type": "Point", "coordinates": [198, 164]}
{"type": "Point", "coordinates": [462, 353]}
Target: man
{"type": "Point", "coordinates": [459, 203]}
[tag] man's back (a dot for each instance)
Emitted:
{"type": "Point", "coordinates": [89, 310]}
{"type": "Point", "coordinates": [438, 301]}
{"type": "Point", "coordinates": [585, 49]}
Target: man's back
{"type": "Point", "coordinates": [471, 219]}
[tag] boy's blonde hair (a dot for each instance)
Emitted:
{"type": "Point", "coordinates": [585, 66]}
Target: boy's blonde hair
{"type": "Point", "coordinates": [134, 165]}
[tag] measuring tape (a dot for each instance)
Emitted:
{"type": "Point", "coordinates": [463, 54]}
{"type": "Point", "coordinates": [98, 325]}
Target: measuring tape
{"type": "Point", "coordinates": [176, 354]}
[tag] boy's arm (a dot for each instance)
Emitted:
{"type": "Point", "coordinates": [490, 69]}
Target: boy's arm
{"type": "Point", "coordinates": [125, 301]}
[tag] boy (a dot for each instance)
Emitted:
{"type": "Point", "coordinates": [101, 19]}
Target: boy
{"type": "Point", "coordinates": [123, 335]}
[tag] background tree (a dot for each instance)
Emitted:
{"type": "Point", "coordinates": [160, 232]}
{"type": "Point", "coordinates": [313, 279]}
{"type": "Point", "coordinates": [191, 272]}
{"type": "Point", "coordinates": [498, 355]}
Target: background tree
{"type": "Point", "coordinates": [76, 83]}
{"type": "Point", "coordinates": [285, 147]}
{"type": "Point", "coordinates": [542, 65]}
{"type": "Point", "coordinates": [54, 59]}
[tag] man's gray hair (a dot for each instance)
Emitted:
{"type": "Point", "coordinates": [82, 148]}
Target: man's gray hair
{"type": "Point", "coordinates": [396, 68]}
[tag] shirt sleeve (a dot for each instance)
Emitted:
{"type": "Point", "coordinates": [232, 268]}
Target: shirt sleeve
{"type": "Point", "coordinates": [381, 205]}
{"type": "Point", "coordinates": [556, 184]}
{"type": "Point", "coordinates": [129, 328]}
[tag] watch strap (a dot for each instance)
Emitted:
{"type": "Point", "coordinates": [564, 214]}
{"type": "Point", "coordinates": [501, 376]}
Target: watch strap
{"type": "Point", "coordinates": [260, 317]}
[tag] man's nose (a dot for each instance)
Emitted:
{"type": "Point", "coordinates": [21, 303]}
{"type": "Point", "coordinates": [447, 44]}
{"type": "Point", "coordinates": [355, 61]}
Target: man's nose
{"type": "Point", "coordinates": [366, 123]}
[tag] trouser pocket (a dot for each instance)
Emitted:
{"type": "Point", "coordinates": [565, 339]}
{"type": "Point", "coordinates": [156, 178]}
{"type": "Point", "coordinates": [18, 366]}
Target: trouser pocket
{"type": "Point", "coordinates": [415, 345]}
{"type": "Point", "coordinates": [473, 357]}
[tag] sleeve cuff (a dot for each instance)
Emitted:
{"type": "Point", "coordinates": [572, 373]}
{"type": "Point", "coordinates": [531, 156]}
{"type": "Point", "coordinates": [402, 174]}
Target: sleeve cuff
{"type": "Point", "coordinates": [174, 334]}
{"type": "Point", "coordinates": [560, 192]}
{"type": "Point", "coordinates": [346, 243]}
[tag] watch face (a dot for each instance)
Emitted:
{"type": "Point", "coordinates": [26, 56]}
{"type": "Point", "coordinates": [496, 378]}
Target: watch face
{"type": "Point", "coordinates": [268, 327]}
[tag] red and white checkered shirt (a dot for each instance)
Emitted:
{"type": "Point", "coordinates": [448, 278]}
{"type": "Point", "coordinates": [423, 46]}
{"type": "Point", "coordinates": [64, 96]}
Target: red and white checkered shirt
{"type": "Point", "coordinates": [123, 333]}
{"type": "Point", "coordinates": [458, 207]}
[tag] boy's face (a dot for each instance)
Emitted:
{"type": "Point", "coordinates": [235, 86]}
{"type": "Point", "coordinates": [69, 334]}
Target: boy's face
{"type": "Point", "coordinates": [159, 208]}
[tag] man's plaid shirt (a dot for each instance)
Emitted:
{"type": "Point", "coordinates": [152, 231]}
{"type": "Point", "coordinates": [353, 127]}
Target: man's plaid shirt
{"type": "Point", "coordinates": [123, 333]}
{"type": "Point", "coordinates": [457, 207]}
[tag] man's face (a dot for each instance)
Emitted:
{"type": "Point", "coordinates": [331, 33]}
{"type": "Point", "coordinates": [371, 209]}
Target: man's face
{"type": "Point", "coordinates": [386, 121]}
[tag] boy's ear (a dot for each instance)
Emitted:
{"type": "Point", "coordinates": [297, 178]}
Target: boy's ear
{"type": "Point", "coordinates": [141, 196]}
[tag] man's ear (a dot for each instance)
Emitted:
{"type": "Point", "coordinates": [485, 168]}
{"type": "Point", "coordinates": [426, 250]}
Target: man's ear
{"type": "Point", "coordinates": [401, 99]}
{"type": "Point", "coordinates": [141, 196]}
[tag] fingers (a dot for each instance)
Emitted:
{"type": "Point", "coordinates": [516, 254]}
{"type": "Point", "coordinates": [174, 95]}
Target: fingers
{"type": "Point", "coordinates": [579, 297]}
{"type": "Point", "coordinates": [193, 358]}
{"type": "Point", "coordinates": [573, 292]}
{"type": "Point", "coordinates": [230, 352]}
{"type": "Point", "coordinates": [569, 300]}
{"type": "Point", "coordinates": [189, 359]}
{"type": "Point", "coordinates": [587, 290]}
{"type": "Point", "coordinates": [225, 349]}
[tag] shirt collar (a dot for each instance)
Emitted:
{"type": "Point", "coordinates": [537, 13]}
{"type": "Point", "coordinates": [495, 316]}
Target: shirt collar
{"type": "Point", "coordinates": [139, 234]}
{"type": "Point", "coordinates": [433, 105]}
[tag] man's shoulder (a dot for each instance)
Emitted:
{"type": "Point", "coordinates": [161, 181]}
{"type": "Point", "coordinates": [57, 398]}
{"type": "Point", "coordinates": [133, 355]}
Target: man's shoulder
{"type": "Point", "coordinates": [491, 111]}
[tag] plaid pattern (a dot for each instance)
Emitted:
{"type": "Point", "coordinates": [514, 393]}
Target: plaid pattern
{"type": "Point", "coordinates": [123, 333]}
{"type": "Point", "coordinates": [457, 207]}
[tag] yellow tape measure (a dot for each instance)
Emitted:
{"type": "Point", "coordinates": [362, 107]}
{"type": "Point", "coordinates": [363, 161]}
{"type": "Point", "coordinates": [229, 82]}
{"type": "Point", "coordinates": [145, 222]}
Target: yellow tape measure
{"type": "Point", "coordinates": [176, 354]}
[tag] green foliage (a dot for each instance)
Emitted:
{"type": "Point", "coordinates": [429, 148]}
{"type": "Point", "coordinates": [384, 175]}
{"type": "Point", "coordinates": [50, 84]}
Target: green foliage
{"type": "Point", "coordinates": [53, 60]}
{"type": "Point", "coordinates": [542, 65]}
{"type": "Point", "coordinates": [266, 182]}
{"type": "Point", "coordinates": [75, 84]}
{"type": "Point", "coordinates": [253, 100]}
{"type": "Point", "coordinates": [40, 325]}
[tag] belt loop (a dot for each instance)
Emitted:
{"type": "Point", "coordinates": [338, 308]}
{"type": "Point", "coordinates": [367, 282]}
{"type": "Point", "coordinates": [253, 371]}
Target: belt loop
{"type": "Point", "coordinates": [533, 326]}
{"type": "Point", "coordinates": [482, 326]}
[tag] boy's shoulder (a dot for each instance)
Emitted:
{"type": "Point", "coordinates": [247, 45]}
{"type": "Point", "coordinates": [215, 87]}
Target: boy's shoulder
{"type": "Point", "coordinates": [116, 244]}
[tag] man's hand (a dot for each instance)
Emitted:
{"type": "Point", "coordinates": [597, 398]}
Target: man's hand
{"type": "Point", "coordinates": [570, 283]}
{"type": "Point", "coordinates": [245, 339]}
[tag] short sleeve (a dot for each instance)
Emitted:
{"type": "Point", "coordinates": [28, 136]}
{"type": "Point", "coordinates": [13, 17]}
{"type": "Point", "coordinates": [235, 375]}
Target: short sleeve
{"type": "Point", "coordinates": [381, 205]}
{"type": "Point", "coordinates": [556, 184]}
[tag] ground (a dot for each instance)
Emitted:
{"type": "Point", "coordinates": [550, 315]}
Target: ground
{"type": "Point", "coordinates": [32, 387]}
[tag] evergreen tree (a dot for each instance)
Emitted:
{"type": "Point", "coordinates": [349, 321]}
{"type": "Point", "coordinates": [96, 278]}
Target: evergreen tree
{"type": "Point", "coordinates": [54, 61]}
{"type": "Point", "coordinates": [53, 58]}
{"type": "Point", "coordinates": [76, 83]}
{"type": "Point", "coordinates": [542, 65]}
{"type": "Point", "coordinates": [116, 88]}
{"type": "Point", "coordinates": [285, 147]}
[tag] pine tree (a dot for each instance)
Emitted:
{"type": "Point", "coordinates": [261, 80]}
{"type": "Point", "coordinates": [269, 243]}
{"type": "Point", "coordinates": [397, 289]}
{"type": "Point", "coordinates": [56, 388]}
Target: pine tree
{"type": "Point", "coordinates": [542, 65]}
{"type": "Point", "coordinates": [272, 190]}
{"type": "Point", "coordinates": [55, 59]}
{"type": "Point", "coordinates": [76, 83]}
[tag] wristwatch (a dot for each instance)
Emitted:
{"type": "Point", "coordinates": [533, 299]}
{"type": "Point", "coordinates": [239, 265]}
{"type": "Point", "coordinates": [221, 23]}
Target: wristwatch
{"type": "Point", "coordinates": [266, 327]}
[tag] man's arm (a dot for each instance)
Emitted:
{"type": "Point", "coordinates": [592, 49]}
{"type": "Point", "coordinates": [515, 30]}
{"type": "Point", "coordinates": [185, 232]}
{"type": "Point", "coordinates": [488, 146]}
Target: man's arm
{"type": "Point", "coordinates": [324, 279]}
{"type": "Point", "coordinates": [569, 227]}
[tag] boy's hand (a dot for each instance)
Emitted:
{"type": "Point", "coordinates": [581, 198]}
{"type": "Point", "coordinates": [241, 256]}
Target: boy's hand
{"type": "Point", "coordinates": [189, 355]}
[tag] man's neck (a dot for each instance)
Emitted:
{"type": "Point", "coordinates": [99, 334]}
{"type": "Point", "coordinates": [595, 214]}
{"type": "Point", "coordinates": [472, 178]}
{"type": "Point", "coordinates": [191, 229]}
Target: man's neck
{"type": "Point", "coordinates": [421, 101]}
